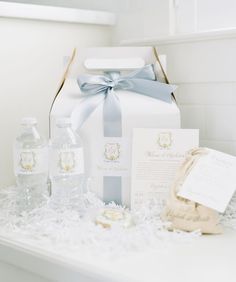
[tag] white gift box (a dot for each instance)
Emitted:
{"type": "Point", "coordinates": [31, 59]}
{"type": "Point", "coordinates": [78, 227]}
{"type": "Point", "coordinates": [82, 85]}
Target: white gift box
{"type": "Point", "coordinates": [108, 159]}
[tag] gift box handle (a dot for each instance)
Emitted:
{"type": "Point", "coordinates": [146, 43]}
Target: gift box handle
{"type": "Point", "coordinates": [162, 69]}
{"type": "Point", "coordinates": [61, 84]}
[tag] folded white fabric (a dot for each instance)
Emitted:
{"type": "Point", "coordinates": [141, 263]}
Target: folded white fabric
{"type": "Point", "coordinates": [185, 214]}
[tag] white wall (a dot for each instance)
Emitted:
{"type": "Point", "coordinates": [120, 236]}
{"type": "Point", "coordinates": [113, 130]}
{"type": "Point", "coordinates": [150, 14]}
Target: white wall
{"type": "Point", "coordinates": [213, 14]}
{"type": "Point", "coordinates": [204, 71]}
{"type": "Point", "coordinates": [199, 15]}
{"type": "Point", "coordinates": [141, 19]}
{"type": "Point", "coordinates": [31, 55]}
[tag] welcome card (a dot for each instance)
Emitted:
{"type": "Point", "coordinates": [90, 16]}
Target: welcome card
{"type": "Point", "coordinates": [156, 157]}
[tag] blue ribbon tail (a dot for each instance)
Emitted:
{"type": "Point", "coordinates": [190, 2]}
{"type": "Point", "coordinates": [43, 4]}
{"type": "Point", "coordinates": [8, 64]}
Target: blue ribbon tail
{"type": "Point", "coordinates": [154, 89]}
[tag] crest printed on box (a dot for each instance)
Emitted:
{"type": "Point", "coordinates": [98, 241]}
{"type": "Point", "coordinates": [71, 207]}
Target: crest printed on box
{"type": "Point", "coordinates": [112, 151]}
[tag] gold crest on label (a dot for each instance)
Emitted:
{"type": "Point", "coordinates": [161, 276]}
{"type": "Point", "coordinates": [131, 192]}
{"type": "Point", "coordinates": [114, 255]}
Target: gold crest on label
{"type": "Point", "coordinates": [112, 151]}
{"type": "Point", "coordinates": [164, 140]}
{"type": "Point", "coordinates": [27, 160]}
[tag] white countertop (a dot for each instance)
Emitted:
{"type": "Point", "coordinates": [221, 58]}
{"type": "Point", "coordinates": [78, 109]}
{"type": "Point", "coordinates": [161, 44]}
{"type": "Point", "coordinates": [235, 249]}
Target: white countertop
{"type": "Point", "coordinates": [206, 258]}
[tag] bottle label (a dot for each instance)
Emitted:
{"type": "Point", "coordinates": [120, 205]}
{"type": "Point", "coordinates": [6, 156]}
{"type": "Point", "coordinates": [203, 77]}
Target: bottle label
{"type": "Point", "coordinates": [67, 161]}
{"type": "Point", "coordinates": [30, 161]}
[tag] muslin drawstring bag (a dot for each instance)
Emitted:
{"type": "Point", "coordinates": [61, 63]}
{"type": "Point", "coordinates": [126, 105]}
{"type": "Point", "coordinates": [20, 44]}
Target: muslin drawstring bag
{"type": "Point", "coordinates": [187, 215]}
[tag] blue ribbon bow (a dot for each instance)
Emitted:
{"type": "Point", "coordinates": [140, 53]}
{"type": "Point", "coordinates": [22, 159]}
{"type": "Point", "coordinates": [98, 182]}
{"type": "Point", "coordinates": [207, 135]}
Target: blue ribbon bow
{"type": "Point", "coordinates": [98, 88]}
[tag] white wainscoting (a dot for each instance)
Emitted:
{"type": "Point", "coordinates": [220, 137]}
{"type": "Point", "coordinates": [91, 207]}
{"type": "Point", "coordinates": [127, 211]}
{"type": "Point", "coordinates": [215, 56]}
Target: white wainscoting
{"type": "Point", "coordinates": [11, 273]}
{"type": "Point", "coordinates": [203, 65]}
{"type": "Point", "coordinates": [205, 73]}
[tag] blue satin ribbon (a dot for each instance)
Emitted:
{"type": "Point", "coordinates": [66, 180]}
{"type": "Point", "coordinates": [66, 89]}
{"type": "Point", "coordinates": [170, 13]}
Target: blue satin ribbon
{"type": "Point", "coordinates": [98, 88]}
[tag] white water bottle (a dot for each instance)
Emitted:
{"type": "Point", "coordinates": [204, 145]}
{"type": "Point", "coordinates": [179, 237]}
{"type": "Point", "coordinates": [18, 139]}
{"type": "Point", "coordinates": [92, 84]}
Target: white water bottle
{"type": "Point", "coordinates": [30, 164]}
{"type": "Point", "coordinates": [66, 162]}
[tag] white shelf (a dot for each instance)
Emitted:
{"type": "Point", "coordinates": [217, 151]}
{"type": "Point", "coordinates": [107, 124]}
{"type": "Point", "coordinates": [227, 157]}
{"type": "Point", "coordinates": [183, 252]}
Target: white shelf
{"type": "Point", "coordinates": [59, 14]}
{"type": "Point", "coordinates": [182, 38]}
{"type": "Point", "coordinates": [207, 258]}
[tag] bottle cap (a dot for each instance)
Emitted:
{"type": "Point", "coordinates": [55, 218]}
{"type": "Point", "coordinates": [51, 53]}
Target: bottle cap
{"type": "Point", "coordinates": [63, 121]}
{"type": "Point", "coordinates": [28, 121]}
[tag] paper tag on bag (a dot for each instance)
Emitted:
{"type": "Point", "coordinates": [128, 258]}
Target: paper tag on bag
{"type": "Point", "coordinates": [212, 181]}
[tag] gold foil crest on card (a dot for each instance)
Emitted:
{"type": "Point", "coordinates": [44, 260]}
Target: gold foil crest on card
{"type": "Point", "coordinates": [165, 140]}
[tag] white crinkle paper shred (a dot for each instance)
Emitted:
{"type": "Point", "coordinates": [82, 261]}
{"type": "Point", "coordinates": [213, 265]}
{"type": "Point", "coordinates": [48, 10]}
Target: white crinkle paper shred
{"type": "Point", "coordinates": [72, 233]}
{"type": "Point", "coordinates": [228, 219]}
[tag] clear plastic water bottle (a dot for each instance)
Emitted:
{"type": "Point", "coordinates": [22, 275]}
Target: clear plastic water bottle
{"type": "Point", "coordinates": [30, 165]}
{"type": "Point", "coordinates": [66, 163]}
